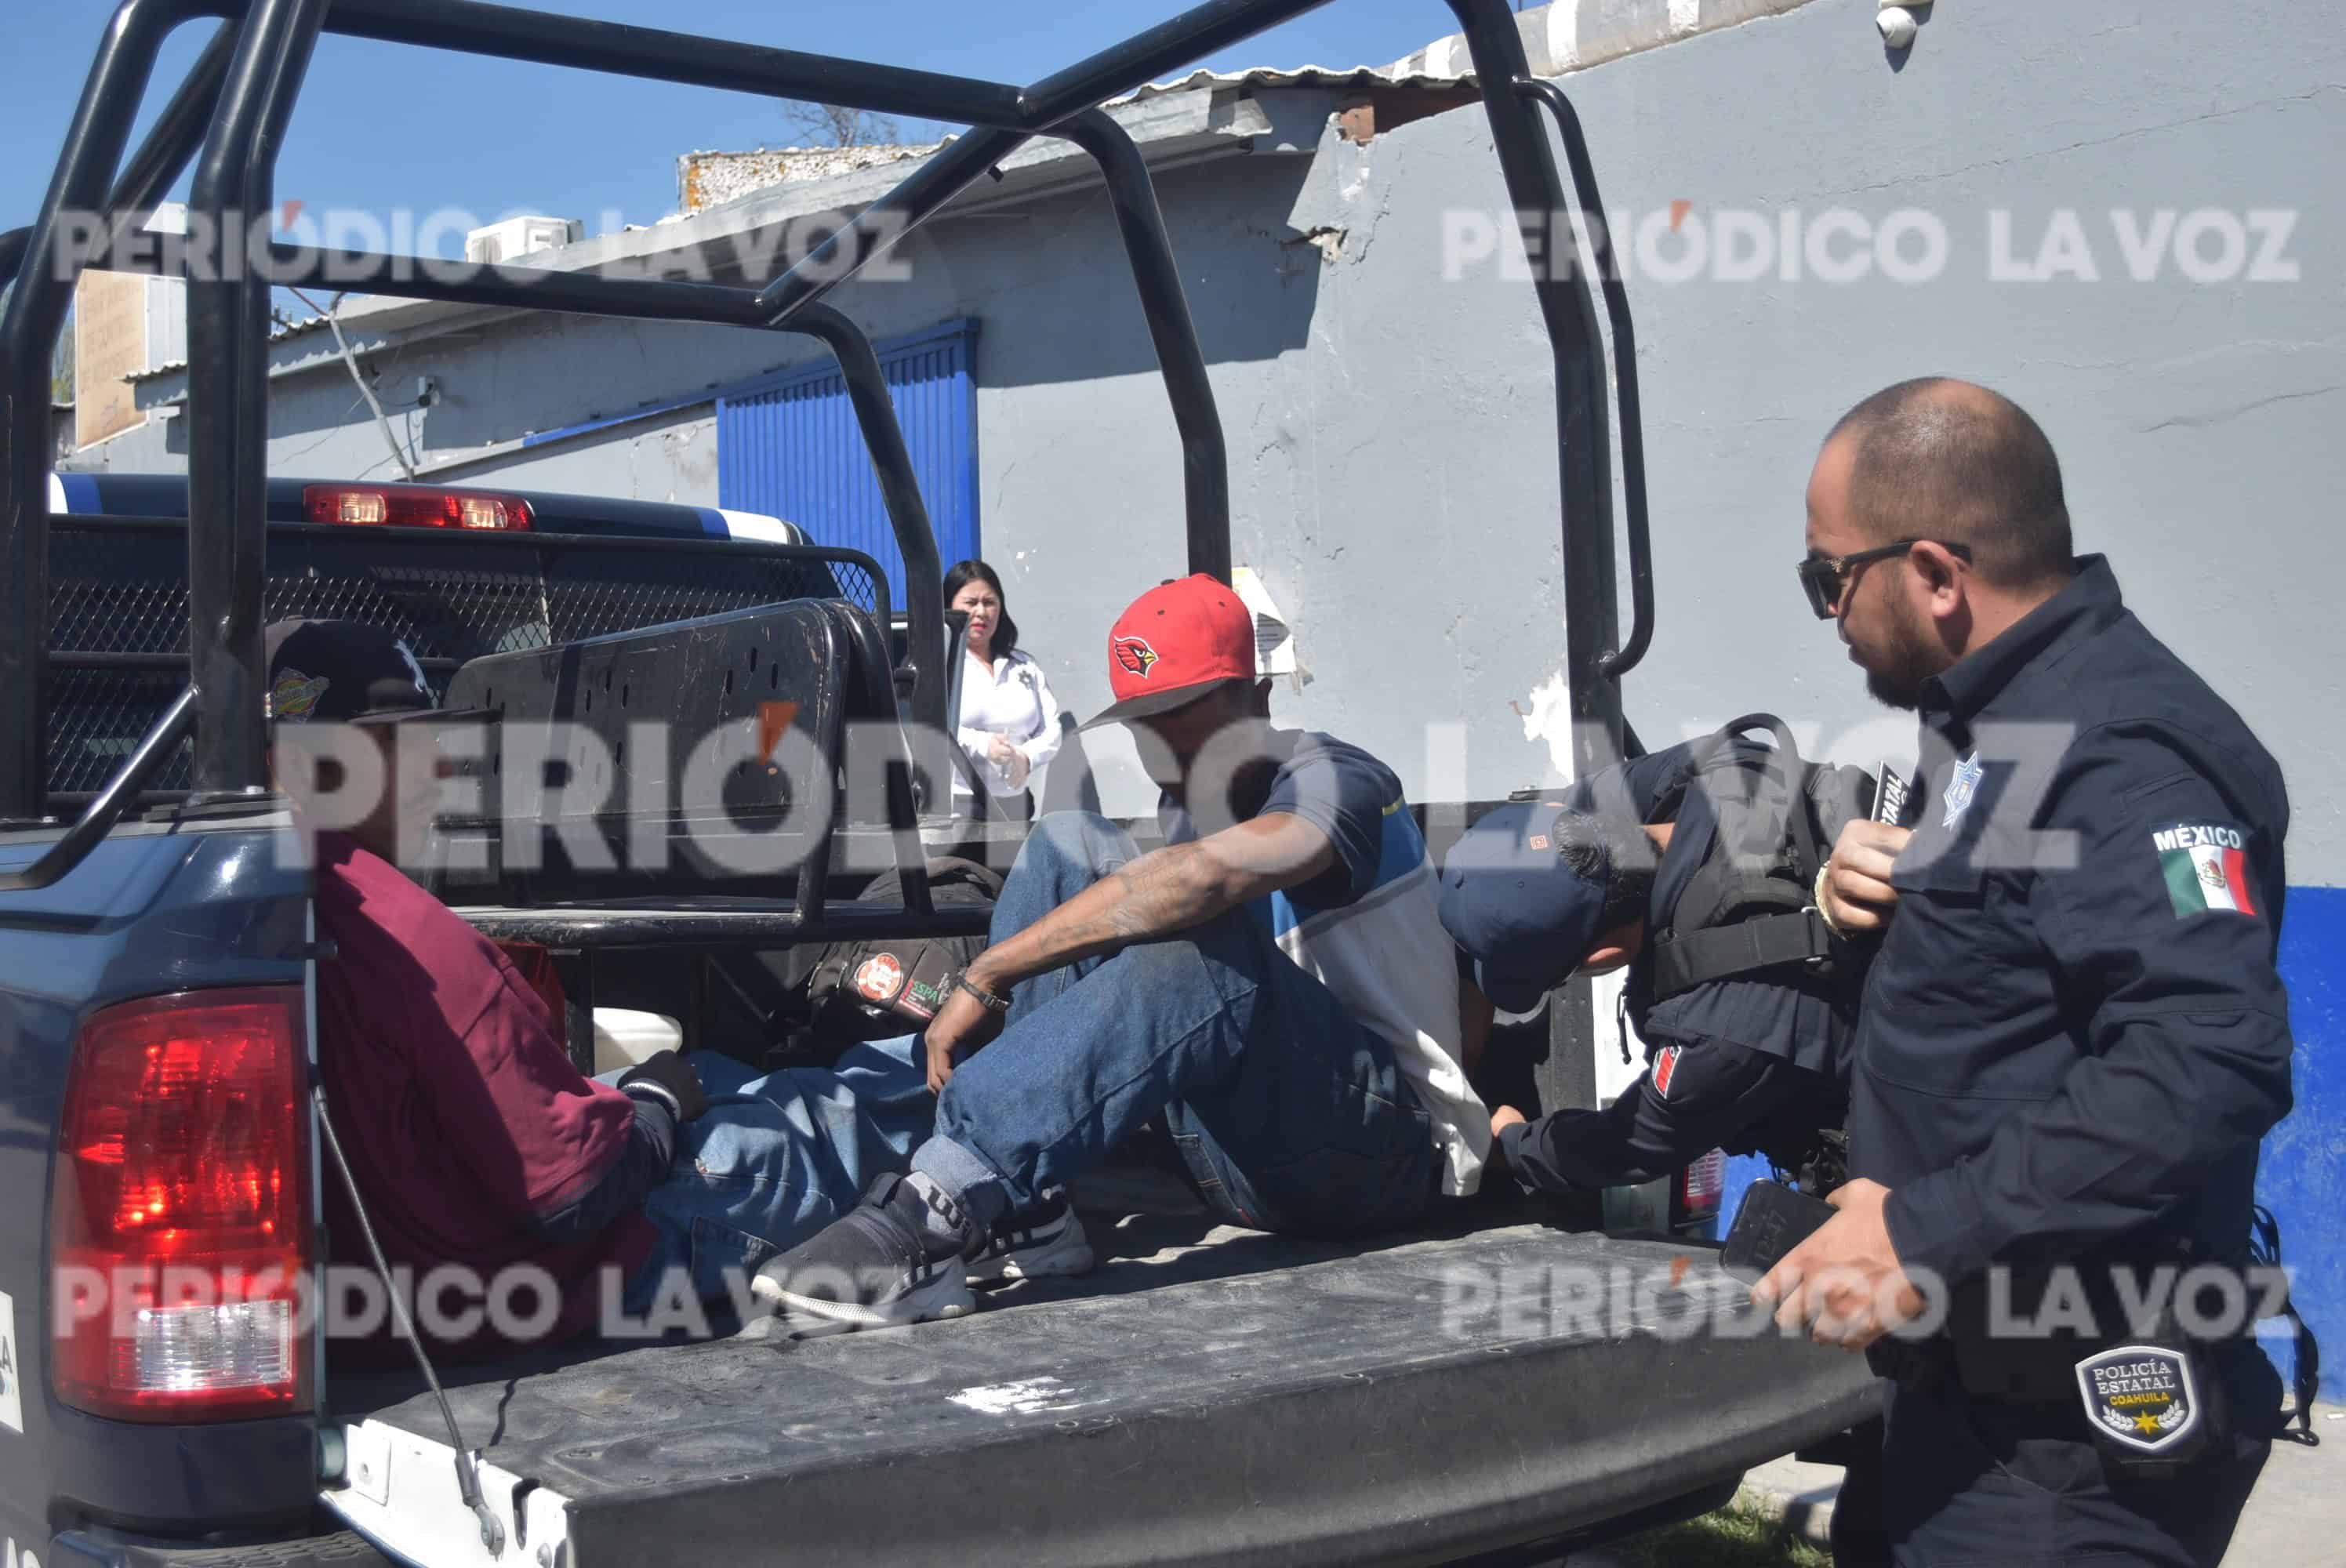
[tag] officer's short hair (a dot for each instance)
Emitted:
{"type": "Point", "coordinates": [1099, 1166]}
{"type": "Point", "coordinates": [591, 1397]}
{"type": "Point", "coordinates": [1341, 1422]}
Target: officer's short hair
{"type": "Point", "coordinates": [1938, 458]}
{"type": "Point", "coordinates": [1602, 844]}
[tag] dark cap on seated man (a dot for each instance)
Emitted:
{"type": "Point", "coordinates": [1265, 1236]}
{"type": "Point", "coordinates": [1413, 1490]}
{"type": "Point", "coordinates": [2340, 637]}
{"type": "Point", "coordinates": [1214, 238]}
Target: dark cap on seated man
{"type": "Point", "coordinates": [1537, 891]}
{"type": "Point", "coordinates": [346, 672]}
{"type": "Point", "coordinates": [329, 673]}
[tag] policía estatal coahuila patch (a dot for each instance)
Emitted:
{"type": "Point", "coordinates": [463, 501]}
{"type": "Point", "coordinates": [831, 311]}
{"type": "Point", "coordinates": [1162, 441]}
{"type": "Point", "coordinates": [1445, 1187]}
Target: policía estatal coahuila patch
{"type": "Point", "coordinates": [2141, 1396]}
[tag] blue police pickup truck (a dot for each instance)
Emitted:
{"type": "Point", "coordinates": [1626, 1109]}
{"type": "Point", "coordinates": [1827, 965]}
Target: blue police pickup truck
{"type": "Point", "coordinates": [1253, 1399]}
{"type": "Point", "coordinates": [1489, 1388]}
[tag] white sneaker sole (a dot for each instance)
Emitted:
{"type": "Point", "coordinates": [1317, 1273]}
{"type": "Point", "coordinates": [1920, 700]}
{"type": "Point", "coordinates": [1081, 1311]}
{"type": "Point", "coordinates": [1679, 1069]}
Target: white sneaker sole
{"type": "Point", "coordinates": [947, 1296]}
{"type": "Point", "coordinates": [1067, 1253]}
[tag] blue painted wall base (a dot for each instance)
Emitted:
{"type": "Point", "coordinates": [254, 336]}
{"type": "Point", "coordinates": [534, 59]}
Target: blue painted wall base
{"type": "Point", "coordinates": [2303, 1176]}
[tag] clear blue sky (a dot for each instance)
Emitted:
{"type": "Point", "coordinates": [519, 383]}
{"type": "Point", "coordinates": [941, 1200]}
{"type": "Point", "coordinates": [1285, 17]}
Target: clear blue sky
{"type": "Point", "coordinates": [382, 128]}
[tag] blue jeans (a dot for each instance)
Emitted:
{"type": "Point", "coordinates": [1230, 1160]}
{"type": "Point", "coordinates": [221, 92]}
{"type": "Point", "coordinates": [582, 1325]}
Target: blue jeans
{"type": "Point", "coordinates": [778, 1156]}
{"type": "Point", "coordinates": [1288, 1114]}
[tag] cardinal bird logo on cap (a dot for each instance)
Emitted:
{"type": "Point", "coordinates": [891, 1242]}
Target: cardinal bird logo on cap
{"type": "Point", "coordinates": [1134, 654]}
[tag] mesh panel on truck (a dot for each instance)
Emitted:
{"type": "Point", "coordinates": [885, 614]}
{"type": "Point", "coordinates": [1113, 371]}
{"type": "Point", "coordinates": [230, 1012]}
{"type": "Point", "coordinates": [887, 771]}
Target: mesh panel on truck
{"type": "Point", "coordinates": [118, 608]}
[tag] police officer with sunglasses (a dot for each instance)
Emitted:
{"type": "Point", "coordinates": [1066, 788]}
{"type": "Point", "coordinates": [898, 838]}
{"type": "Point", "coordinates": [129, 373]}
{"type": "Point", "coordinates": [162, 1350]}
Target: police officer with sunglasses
{"type": "Point", "coordinates": [2072, 1036]}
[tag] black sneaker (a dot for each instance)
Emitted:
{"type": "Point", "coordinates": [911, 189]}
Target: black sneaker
{"type": "Point", "coordinates": [870, 1269]}
{"type": "Point", "coordinates": [1045, 1241]}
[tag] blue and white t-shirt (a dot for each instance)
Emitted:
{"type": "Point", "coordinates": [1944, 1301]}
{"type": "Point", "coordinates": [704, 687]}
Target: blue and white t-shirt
{"type": "Point", "coordinates": [1370, 929]}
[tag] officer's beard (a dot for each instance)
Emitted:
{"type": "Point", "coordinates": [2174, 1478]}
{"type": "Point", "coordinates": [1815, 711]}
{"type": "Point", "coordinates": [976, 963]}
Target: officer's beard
{"type": "Point", "coordinates": [1896, 676]}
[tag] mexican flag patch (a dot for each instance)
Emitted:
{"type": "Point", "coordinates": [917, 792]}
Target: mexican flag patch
{"type": "Point", "coordinates": [2207, 868]}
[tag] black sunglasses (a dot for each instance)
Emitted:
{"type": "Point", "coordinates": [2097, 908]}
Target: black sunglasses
{"type": "Point", "coordinates": [1825, 576]}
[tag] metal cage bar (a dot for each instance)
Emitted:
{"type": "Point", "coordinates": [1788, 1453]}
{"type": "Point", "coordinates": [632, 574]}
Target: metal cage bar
{"type": "Point", "coordinates": [228, 395]}
{"type": "Point", "coordinates": [160, 159]}
{"type": "Point", "coordinates": [273, 45]}
{"type": "Point", "coordinates": [936, 183]}
{"type": "Point", "coordinates": [613, 48]}
{"type": "Point", "coordinates": [1583, 450]}
{"type": "Point", "coordinates": [524, 288]}
{"type": "Point", "coordinates": [1204, 453]}
{"type": "Point", "coordinates": [28, 333]}
{"type": "Point", "coordinates": [1614, 665]}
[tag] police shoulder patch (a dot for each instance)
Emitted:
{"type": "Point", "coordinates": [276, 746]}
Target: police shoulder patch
{"type": "Point", "coordinates": [1666, 1067]}
{"type": "Point", "coordinates": [2205, 867]}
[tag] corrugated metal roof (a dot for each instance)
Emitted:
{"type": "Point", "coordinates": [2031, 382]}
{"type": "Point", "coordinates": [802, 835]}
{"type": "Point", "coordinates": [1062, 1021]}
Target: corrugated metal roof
{"type": "Point", "coordinates": [1323, 76]}
{"type": "Point", "coordinates": [276, 334]}
{"type": "Point", "coordinates": [284, 329]}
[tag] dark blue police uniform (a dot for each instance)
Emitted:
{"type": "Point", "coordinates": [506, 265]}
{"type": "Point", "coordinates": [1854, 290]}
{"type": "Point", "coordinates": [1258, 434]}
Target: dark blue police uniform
{"type": "Point", "coordinates": [2071, 1041]}
{"type": "Point", "coordinates": [1751, 1063]}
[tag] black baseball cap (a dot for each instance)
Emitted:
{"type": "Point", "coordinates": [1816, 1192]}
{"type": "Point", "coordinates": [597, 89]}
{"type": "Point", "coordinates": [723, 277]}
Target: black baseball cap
{"type": "Point", "coordinates": [1517, 907]}
{"type": "Point", "coordinates": [347, 672]}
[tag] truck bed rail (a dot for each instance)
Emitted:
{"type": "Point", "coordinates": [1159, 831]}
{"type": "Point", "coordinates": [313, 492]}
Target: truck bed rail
{"type": "Point", "coordinates": [118, 632]}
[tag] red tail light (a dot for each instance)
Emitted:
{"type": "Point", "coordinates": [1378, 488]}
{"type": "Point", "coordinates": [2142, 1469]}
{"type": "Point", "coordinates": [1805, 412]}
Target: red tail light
{"type": "Point", "coordinates": [1703, 1185]}
{"type": "Point", "coordinates": [413, 506]}
{"type": "Point", "coordinates": [179, 1216]}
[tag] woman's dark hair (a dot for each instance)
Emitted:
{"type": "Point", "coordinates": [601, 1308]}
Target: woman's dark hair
{"type": "Point", "coordinates": [1005, 630]}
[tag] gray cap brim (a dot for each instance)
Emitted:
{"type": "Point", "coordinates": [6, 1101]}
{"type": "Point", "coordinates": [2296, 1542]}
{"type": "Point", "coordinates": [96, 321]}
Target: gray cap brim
{"type": "Point", "coordinates": [1149, 704]}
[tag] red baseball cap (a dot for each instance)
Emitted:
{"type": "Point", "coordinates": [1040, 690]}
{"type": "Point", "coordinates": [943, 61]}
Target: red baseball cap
{"type": "Point", "coordinates": [1177, 643]}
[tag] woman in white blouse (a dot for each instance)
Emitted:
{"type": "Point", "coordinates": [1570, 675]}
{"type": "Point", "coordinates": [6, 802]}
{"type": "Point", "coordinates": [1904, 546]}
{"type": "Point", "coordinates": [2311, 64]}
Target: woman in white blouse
{"type": "Point", "coordinates": [1009, 721]}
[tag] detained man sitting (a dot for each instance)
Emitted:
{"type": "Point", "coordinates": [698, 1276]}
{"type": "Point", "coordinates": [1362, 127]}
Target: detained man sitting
{"type": "Point", "coordinates": [1273, 986]}
{"type": "Point", "coordinates": [472, 1138]}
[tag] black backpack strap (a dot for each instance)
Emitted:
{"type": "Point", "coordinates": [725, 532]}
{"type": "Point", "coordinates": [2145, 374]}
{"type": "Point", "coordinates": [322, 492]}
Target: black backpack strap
{"type": "Point", "coordinates": [1682, 962]}
{"type": "Point", "coordinates": [1715, 932]}
{"type": "Point", "coordinates": [955, 869]}
{"type": "Point", "coordinates": [1807, 853]}
{"type": "Point", "coordinates": [2306, 1381]}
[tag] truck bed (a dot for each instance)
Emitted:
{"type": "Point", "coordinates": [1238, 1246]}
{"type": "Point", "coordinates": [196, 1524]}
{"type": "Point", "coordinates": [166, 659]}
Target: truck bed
{"type": "Point", "coordinates": [1206, 1395]}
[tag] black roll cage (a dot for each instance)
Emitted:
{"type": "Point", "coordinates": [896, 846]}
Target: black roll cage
{"type": "Point", "coordinates": [230, 117]}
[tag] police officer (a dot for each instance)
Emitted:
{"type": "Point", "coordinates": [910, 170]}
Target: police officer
{"type": "Point", "coordinates": [2072, 1036]}
{"type": "Point", "coordinates": [1746, 1040]}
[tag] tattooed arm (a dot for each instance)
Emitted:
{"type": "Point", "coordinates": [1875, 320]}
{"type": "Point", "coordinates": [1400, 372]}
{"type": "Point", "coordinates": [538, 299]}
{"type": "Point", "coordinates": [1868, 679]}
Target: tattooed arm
{"type": "Point", "coordinates": [1159, 895]}
{"type": "Point", "coordinates": [1162, 894]}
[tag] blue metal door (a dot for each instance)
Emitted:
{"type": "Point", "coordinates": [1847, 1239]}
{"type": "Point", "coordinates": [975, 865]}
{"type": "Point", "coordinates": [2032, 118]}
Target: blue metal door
{"type": "Point", "coordinates": [789, 447]}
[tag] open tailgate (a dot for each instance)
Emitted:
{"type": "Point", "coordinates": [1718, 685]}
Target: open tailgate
{"type": "Point", "coordinates": [1258, 1399]}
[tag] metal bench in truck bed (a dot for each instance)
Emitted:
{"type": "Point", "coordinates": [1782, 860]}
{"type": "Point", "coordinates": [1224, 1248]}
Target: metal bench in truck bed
{"type": "Point", "coordinates": [1206, 1395]}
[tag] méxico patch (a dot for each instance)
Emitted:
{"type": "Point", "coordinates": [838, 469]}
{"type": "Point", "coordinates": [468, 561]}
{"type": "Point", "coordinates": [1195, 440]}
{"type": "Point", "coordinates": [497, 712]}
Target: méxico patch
{"type": "Point", "coordinates": [2207, 868]}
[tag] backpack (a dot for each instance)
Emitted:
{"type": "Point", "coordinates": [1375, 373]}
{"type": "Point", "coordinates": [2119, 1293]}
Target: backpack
{"type": "Point", "coordinates": [1749, 906]}
{"type": "Point", "coordinates": [880, 986]}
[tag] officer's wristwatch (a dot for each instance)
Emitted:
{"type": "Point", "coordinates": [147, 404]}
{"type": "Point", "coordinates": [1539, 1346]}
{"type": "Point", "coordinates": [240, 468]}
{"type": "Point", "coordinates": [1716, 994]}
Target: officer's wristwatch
{"type": "Point", "coordinates": [1817, 896]}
